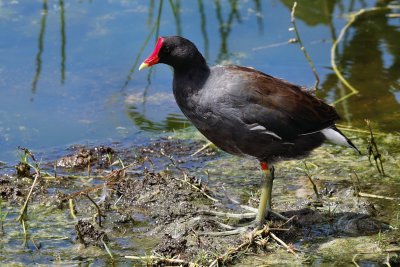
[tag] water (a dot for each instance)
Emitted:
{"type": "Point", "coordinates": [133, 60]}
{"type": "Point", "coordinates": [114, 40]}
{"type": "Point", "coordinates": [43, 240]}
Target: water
{"type": "Point", "coordinates": [68, 72]}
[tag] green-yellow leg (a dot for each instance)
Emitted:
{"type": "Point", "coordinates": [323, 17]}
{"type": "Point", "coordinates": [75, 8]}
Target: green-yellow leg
{"type": "Point", "coordinates": [266, 194]}
{"type": "Point", "coordinates": [263, 208]}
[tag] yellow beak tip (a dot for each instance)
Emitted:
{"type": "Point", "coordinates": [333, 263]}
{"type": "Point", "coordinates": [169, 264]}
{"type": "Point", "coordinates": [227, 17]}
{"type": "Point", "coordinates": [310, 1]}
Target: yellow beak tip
{"type": "Point", "coordinates": [143, 66]}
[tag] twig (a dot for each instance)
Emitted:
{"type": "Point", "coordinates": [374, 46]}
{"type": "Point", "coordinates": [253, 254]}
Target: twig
{"type": "Point", "coordinates": [72, 208]}
{"type": "Point", "coordinates": [311, 180]}
{"type": "Point", "coordinates": [221, 259]}
{"type": "Point", "coordinates": [3, 216]}
{"type": "Point", "coordinates": [106, 247]}
{"type": "Point", "coordinates": [160, 260]}
{"type": "Point", "coordinates": [24, 209]}
{"type": "Point", "coordinates": [24, 229]}
{"type": "Point", "coordinates": [283, 244]}
{"type": "Point", "coordinates": [202, 148]}
{"type": "Point", "coordinates": [302, 48]}
{"type": "Point", "coordinates": [289, 220]}
{"type": "Point", "coordinates": [353, 260]}
{"type": "Point", "coordinates": [374, 151]}
{"type": "Point", "coordinates": [99, 214]}
{"type": "Point", "coordinates": [356, 184]}
{"type": "Point", "coordinates": [34, 244]}
{"type": "Point", "coordinates": [361, 194]}
{"type": "Point", "coordinates": [89, 169]}
{"type": "Point", "coordinates": [393, 249]}
{"type": "Point", "coordinates": [55, 169]}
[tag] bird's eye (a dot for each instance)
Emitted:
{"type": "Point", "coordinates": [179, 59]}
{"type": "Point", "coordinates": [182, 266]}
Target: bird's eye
{"type": "Point", "coordinates": [166, 49]}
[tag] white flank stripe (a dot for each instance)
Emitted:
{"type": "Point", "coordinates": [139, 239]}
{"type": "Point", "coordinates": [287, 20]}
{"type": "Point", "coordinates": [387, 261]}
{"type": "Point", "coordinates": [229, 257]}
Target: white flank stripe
{"type": "Point", "coordinates": [264, 131]}
{"type": "Point", "coordinates": [335, 137]}
{"type": "Point", "coordinates": [258, 127]}
{"type": "Point", "coordinates": [273, 134]}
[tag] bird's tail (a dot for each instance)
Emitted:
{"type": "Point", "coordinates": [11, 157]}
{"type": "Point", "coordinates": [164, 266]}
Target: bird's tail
{"type": "Point", "coordinates": [334, 135]}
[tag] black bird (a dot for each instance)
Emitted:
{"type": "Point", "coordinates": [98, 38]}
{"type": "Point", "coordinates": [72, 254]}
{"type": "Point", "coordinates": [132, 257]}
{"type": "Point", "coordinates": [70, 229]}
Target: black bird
{"type": "Point", "coordinates": [246, 112]}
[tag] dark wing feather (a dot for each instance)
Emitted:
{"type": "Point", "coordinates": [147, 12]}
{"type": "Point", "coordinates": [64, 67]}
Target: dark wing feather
{"type": "Point", "coordinates": [284, 108]}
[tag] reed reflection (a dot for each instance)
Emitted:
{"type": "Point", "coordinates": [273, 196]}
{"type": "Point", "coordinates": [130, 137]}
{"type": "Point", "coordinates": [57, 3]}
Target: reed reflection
{"type": "Point", "coordinates": [63, 39]}
{"type": "Point", "coordinates": [38, 59]}
{"type": "Point", "coordinates": [42, 30]}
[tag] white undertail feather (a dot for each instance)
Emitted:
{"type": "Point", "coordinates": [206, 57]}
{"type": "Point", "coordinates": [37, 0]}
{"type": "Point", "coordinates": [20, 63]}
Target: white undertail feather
{"type": "Point", "coordinates": [335, 137]}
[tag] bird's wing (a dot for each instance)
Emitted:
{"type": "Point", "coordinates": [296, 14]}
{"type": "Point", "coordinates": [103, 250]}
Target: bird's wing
{"type": "Point", "coordinates": [280, 107]}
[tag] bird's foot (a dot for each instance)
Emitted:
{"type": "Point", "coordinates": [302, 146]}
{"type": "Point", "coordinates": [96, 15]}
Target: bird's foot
{"type": "Point", "coordinates": [268, 213]}
{"type": "Point", "coordinates": [255, 210]}
{"type": "Point", "coordinates": [231, 230]}
{"type": "Point", "coordinates": [256, 224]}
{"type": "Point", "coordinates": [241, 216]}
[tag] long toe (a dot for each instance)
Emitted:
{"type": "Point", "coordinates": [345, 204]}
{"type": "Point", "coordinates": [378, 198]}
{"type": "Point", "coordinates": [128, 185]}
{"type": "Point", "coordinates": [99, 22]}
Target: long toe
{"type": "Point", "coordinates": [253, 226]}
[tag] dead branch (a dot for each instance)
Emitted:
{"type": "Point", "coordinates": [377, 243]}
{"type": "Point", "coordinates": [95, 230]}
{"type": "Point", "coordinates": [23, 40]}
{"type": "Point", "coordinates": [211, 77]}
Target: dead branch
{"type": "Point", "coordinates": [374, 151]}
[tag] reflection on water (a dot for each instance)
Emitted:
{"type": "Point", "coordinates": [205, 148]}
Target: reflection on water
{"type": "Point", "coordinates": [108, 40]}
{"type": "Point", "coordinates": [176, 10]}
{"type": "Point", "coordinates": [171, 122]}
{"type": "Point", "coordinates": [63, 39]}
{"type": "Point", "coordinates": [314, 13]}
{"type": "Point", "coordinates": [370, 59]}
{"type": "Point", "coordinates": [225, 27]}
{"type": "Point", "coordinates": [154, 31]}
{"type": "Point", "coordinates": [203, 26]}
{"type": "Point", "coordinates": [38, 60]}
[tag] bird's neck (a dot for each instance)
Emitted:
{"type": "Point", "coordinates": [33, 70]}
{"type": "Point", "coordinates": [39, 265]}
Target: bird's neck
{"type": "Point", "coordinates": [190, 78]}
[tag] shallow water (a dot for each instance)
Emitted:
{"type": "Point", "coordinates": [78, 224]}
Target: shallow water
{"type": "Point", "coordinates": [68, 70]}
{"type": "Point", "coordinates": [68, 75]}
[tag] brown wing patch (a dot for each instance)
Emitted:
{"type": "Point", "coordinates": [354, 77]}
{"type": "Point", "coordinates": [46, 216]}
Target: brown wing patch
{"type": "Point", "coordinates": [305, 111]}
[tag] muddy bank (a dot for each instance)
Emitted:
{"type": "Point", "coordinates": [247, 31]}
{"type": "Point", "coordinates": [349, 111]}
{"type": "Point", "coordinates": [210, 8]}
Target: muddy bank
{"type": "Point", "coordinates": [101, 204]}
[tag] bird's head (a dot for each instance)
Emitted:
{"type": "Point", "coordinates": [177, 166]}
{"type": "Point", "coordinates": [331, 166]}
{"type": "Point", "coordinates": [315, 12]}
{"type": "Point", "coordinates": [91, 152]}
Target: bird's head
{"type": "Point", "coordinates": [175, 51]}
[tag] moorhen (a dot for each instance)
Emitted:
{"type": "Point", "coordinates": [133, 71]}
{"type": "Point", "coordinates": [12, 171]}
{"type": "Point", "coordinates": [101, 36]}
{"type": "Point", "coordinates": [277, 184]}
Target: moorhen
{"type": "Point", "coordinates": [246, 112]}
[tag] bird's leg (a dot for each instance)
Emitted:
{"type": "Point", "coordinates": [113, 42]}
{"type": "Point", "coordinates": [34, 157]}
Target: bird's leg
{"type": "Point", "coordinates": [264, 208]}
{"type": "Point", "coordinates": [266, 193]}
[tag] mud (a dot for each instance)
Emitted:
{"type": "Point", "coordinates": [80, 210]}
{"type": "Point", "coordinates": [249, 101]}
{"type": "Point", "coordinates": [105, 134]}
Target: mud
{"type": "Point", "coordinates": [83, 157]}
{"type": "Point", "coordinates": [87, 234]}
{"type": "Point", "coordinates": [155, 194]}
